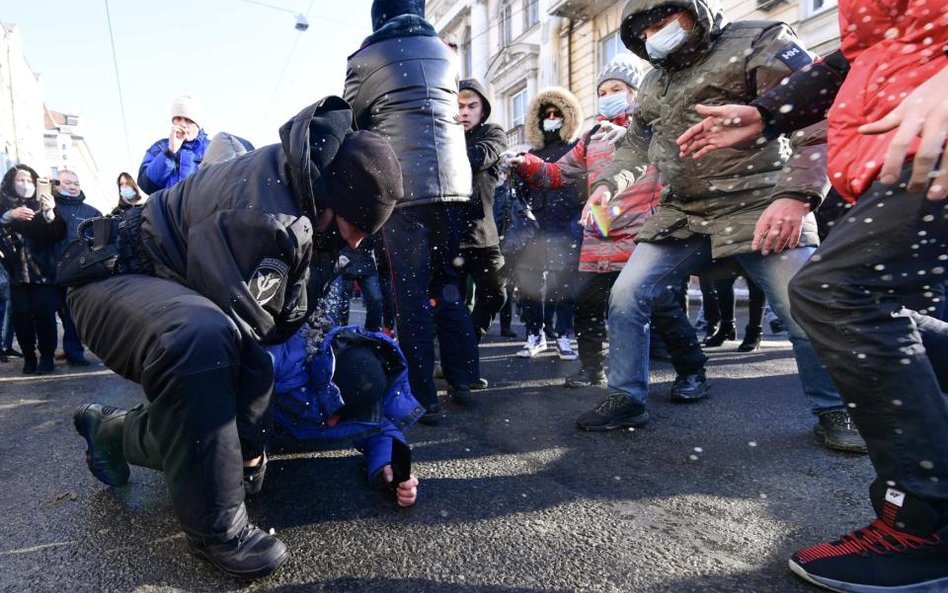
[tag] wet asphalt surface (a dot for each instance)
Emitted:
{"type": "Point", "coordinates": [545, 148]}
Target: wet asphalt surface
{"type": "Point", "coordinates": [712, 496]}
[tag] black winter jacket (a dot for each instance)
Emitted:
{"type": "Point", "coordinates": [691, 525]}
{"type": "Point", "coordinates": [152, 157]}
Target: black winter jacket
{"type": "Point", "coordinates": [485, 143]}
{"type": "Point", "coordinates": [28, 247]}
{"type": "Point", "coordinates": [74, 212]}
{"type": "Point", "coordinates": [241, 232]}
{"type": "Point", "coordinates": [405, 87]}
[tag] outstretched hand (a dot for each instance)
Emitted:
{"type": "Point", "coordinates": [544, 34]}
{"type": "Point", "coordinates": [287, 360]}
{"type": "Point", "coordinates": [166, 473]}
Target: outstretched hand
{"type": "Point", "coordinates": [923, 113]}
{"type": "Point", "coordinates": [609, 133]}
{"type": "Point", "coordinates": [724, 126]}
{"type": "Point", "coordinates": [780, 226]}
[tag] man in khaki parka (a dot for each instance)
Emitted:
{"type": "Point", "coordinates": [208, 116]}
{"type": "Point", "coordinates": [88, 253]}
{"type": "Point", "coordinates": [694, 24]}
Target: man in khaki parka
{"type": "Point", "coordinates": [711, 208]}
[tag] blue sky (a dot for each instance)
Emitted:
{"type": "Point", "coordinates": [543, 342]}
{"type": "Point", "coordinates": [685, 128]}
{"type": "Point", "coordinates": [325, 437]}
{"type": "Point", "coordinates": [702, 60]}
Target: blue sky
{"type": "Point", "coordinates": [227, 53]}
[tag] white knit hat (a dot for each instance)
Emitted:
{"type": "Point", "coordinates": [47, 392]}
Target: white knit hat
{"type": "Point", "coordinates": [187, 106]}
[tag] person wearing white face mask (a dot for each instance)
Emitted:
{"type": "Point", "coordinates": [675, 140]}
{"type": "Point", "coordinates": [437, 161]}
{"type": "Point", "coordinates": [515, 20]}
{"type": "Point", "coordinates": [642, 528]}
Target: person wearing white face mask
{"type": "Point", "coordinates": [710, 209]}
{"type": "Point", "coordinates": [610, 228]}
{"type": "Point", "coordinates": [71, 206]}
{"type": "Point", "coordinates": [29, 229]}
{"type": "Point", "coordinates": [130, 195]}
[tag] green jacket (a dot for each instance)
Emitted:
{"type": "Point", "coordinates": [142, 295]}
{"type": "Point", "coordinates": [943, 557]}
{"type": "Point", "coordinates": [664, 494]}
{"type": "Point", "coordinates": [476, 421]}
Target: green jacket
{"type": "Point", "coordinates": [723, 194]}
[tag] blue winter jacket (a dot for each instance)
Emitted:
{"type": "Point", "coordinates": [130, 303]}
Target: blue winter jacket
{"type": "Point", "coordinates": [160, 171]}
{"type": "Point", "coordinates": [306, 399]}
{"type": "Point", "coordinates": [74, 211]}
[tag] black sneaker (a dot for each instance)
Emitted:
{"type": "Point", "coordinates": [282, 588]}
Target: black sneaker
{"type": "Point", "coordinates": [479, 385]}
{"type": "Point", "coordinates": [101, 427]}
{"type": "Point", "coordinates": [251, 554]}
{"type": "Point", "coordinates": [616, 410]}
{"type": "Point", "coordinates": [29, 365]}
{"type": "Point", "coordinates": [586, 378]}
{"type": "Point", "coordinates": [432, 416]}
{"type": "Point", "coordinates": [877, 559]}
{"type": "Point", "coordinates": [13, 352]}
{"type": "Point", "coordinates": [835, 430]}
{"type": "Point", "coordinates": [690, 388]}
{"type": "Point", "coordinates": [78, 362]}
{"type": "Point", "coordinates": [253, 476]}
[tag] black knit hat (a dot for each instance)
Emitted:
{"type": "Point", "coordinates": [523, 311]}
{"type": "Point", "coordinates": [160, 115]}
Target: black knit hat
{"type": "Point", "coordinates": [364, 181]}
{"type": "Point", "coordinates": [385, 10]}
{"type": "Point", "coordinates": [362, 382]}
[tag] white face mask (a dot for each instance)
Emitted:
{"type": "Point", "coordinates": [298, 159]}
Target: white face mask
{"type": "Point", "coordinates": [666, 41]}
{"type": "Point", "coordinates": [612, 106]}
{"type": "Point", "coordinates": [25, 190]}
{"type": "Point", "coordinates": [552, 125]}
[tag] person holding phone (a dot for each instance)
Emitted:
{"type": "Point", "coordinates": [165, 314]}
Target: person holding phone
{"type": "Point", "coordinates": [29, 230]}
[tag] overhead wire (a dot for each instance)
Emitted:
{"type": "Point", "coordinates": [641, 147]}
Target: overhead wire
{"type": "Point", "coordinates": [289, 56]}
{"type": "Point", "coordinates": [118, 83]}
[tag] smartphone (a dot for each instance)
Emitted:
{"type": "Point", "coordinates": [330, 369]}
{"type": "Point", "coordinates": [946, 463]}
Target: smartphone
{"type": "Point", "coordinates": [401, 463]}
{"type": "Point", "coordinates": [43, 187]}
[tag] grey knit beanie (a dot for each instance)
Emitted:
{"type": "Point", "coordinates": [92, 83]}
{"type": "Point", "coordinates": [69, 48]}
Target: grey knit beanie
{"type": "Point", "coordinates": [624, 67]}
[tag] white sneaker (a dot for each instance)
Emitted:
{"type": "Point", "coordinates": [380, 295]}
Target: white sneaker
{"type": "Point", "coordinates": [565, 348]}
{"type": "Point", "coordinates": [535, 345]}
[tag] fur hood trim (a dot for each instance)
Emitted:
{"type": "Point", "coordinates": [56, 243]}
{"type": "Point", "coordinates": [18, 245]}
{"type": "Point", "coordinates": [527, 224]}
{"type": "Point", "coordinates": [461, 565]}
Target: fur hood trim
{"type": "Point", "coordinates": [563, 100]}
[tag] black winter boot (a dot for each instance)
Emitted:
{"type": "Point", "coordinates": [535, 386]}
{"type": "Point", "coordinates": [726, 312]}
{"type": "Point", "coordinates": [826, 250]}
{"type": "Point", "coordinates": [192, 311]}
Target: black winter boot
{"type": "Point", "coordinates": [725, 332]}
{"type": "Point", "coordinates": [751, 339]}
{"type": "Point", "coordinates": [251, 554]}
{"type": "Point", "coordinates": [101, 427]}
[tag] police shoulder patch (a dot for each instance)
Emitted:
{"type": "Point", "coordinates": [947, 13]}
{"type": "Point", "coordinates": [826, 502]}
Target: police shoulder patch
{"type": "Point", "coordinates": [794, 56]}
{"type": "Point", "coordinates": [267, 279]}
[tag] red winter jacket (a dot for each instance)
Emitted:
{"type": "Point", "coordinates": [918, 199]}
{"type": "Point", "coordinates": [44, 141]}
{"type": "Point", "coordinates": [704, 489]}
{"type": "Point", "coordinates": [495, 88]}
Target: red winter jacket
{"type": "Point", "coordinates": [629, 209]}
{"type": "Point", "coordinates": [892, 46]}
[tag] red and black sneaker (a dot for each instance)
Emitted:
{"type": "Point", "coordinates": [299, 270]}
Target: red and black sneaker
{"type": "Point", "coordinates": [878, 559]}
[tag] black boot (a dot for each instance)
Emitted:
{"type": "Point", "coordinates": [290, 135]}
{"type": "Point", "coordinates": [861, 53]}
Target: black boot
{"type": "Point", "coordinates": [29, 364]}
{"type": "Point", "coordinates": [751, 339]}
{"type": "Point", "coordinates": [725, 332]}
{"type": "Point", "coordinates": [586, 378]}
{"type": "Point", "coordinates": [251, 554]}
{"type": "Point", "coordinates": [101, 427]}
{"type": "Point", "coordinates": [46, 366]}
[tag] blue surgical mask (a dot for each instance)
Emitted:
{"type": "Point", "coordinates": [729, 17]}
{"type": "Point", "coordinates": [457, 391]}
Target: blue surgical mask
{"type": "Point", "coordinates": [612, 106]}
{"type": "Point", "coordinates": [666, 41]}
{"type": "Point", "coordinates": [65, 192]}
{"type": "Point", "coordinates": [552, 125]}
{"type": "Point", "coordinates": [128, 194]}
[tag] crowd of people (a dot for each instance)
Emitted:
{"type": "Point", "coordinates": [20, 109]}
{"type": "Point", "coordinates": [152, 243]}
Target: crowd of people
{"type": "Point", "coordinates": [226, 295]}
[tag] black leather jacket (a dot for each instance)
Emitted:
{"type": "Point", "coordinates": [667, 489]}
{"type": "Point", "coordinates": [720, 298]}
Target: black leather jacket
{"type": "Point", "coordinates": [406, 89]}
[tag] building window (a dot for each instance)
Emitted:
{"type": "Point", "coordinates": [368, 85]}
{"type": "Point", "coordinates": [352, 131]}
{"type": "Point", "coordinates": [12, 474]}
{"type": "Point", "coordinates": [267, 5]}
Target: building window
{"type": "Point", "coordinates": [531, 13]}
{"type": "Point", "coordinates": [814, 7]}
{"type": "Point", "coordinates": [610, 47]}
{"type": "Point", "coordinates": [518, 108]}
{"type": "Point", "coordinates": [506, 23]}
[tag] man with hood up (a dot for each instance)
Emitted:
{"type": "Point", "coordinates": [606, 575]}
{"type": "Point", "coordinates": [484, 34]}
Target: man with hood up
{"type": "Point", "coordinates": [209, 272]}
{"type": "Point", "coordinates": [480, 244]}
{"type": "Point", "coordinates": [403, 84]}
{"type": "Point", "coordinates": [71, 205]}
{"type": "Point", "coordinates": [710, 208]}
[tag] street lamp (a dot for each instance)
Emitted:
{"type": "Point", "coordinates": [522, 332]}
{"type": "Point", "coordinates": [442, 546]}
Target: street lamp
{"type": "Point", "coordinates": [301, 23]}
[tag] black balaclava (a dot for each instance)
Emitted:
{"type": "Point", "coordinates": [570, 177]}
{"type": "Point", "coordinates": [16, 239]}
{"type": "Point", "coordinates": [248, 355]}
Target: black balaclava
{"type": "Point", "coordinates": [385, 10]}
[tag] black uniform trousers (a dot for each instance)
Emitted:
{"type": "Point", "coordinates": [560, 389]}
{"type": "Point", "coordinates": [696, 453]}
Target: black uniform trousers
{"type": "Point", "coordinates": [485, 266]}
{"type": "Point", "coordinates": [208, 390]}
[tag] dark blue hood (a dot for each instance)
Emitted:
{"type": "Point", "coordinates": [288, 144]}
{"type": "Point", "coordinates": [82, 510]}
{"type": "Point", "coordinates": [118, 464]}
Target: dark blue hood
{"type": "Point", "coordinates": [385, 10]}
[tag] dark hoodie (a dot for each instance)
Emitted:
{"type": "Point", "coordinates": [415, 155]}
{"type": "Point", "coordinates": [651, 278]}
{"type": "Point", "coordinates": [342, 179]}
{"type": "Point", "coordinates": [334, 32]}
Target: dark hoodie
{"type": "Point", "coordinates": [196, 232]}
{"type": "Point", "coordinates": [485, 143]}
{"type": "Point", "coordinates": [27, 247]}
{"type": "Point", "coordinates": [73, 210]}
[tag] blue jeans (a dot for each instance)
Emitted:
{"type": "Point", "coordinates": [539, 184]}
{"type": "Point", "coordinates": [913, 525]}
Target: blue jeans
{"type": "Point", "coordinates": [371, 294]}
{"type": "Point", "coordinates": [656, 268]}
{"type": "Point", "coordinates": [72, 343]}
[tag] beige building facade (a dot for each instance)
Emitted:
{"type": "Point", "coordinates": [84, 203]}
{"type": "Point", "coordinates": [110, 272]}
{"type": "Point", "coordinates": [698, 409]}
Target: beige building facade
{"type": "Point", "coordinates": [21, 106]}
{"type": "Point", "coordinates": [516, 47]}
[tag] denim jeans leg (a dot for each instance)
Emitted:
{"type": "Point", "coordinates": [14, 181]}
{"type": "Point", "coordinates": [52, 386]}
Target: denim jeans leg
{"type": "Point", "coordinates": [372, 295]}
{"type": "Point", "coordinates": [773, 273]}
{"type": "Point", "coordinates": [648, 279]}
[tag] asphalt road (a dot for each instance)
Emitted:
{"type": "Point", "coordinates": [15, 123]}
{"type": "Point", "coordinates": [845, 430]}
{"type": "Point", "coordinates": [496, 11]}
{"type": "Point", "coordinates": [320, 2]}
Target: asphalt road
{"type": "Point", "coordinates": [708, 497]}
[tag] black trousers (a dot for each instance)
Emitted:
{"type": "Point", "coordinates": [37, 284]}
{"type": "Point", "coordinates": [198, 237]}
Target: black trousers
{"type": "Point", "coordinates": [890, 248]}
{"type": "Point", "coordinates": [485, 266]}
{"type": "Point", "coordinates": [208, 390]}
{"type": "Point", "coordinates": [669, 320]}
{"type": "Point", "coordinates": [34, 309]}
{"type": "Point", "coordinates": [422, 244]}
